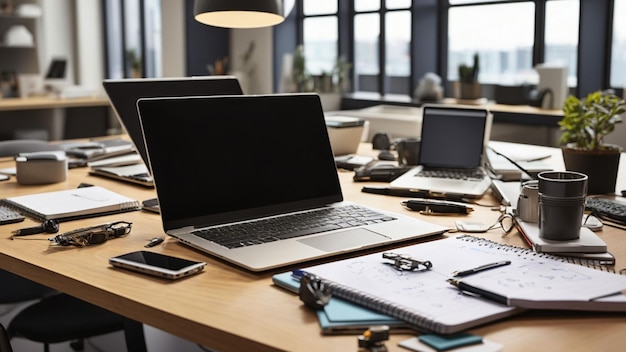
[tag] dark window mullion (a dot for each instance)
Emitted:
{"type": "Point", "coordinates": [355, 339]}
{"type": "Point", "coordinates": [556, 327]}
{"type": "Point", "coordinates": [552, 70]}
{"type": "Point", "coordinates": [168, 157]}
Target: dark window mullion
{"type": "Point", "coordinates": [123, 35]}
{"type": "Point", "coordinates": [142, 37]}
{"type": "Point", "coordinates": [382, 59]}
{"type": "Point", "coordinates": [539, 47]}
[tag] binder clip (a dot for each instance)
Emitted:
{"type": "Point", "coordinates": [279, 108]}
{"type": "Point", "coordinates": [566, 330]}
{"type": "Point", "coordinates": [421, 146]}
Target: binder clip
{"type": "Point", "coordinates": [373, 339]}
{"type": "Point", "coordinates": [313, 293]}
{"type": "Point", "coordinates": [404, 262]}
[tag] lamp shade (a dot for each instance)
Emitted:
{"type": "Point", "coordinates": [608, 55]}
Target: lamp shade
{"type": "Point", "coordinates": [239, 13]}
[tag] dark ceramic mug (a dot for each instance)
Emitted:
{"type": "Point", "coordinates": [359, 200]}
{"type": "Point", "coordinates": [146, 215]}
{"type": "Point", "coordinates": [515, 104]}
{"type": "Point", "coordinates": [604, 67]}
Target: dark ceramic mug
{"type": "Point", "coordinates": [561, 204]}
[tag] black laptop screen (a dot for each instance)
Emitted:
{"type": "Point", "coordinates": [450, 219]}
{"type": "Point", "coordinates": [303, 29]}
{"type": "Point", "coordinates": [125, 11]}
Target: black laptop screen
{"type": "Point", "coordinates": [219, 159]}
{"type": "Point", "coordinates": [452, 137]}
{"type": "Point", "coordinates": [124, 93]}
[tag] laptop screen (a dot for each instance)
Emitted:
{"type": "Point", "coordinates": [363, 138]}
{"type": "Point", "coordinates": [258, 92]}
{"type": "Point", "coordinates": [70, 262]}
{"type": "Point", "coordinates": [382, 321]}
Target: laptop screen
{"type": "Point", "coordinates": [123, 94]}
{"type": "Point", "coordinates": [452, 137]}
{"type": "Point", "coordinates": [220, 159]}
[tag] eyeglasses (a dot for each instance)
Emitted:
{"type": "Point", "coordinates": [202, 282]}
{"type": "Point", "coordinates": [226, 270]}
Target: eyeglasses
{"type": "Point", "coordinates": [87, 236]}
{"type": "Point", "coordinates": [505, 221]}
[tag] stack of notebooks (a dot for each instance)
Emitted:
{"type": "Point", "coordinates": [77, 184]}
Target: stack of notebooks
{"type": "Point", "coordinates": [111, 158]}
{"type": "Point", "coordinates": [588, 248]}
{"type": "Point", "coordinates": [533, 160]}
{"type": "Point", "coordinates": [427, 301]}
{"type": "Point", "coordinates": [89, 152]}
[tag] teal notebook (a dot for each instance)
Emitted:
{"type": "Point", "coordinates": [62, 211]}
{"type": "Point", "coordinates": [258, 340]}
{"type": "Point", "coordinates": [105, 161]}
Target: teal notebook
{"type": "Point", "coordinates": [340, 316]}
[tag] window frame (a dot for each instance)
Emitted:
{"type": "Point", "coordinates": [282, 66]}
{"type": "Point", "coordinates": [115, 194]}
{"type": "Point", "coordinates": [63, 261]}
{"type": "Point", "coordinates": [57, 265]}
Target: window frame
{"type": "Point", "coordinates": [593, 71]}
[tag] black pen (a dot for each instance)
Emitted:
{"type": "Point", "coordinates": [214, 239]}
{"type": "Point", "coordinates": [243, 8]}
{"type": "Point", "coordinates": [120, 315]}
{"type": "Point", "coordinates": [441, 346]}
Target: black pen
{"type": "Point", "coordinates": [481, 268]}
{"type": "Point", "coordinates": [437, 206]}
{"type": "Point", "coordinates": [478, 291]}
{"type": "Point", "coordinates": [408, 193]}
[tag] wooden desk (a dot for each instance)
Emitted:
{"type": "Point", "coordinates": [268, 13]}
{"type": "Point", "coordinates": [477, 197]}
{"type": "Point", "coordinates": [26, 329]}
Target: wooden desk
{"type": "Point", "coordinates": [12, 104]}
{"type": "Point", "coordinates": [228, 309]}
{"type": "Point", "coordinates": [56, 106]}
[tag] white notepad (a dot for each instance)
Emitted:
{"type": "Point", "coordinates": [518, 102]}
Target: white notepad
{"type": "Point", "coordinates": [588, 242]}
{"type": "Point", "coordinates": [73, 203]}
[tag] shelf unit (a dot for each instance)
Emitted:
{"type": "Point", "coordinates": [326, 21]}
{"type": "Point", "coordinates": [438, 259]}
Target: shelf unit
{"type": "Point", "coordinates": [19, 59]}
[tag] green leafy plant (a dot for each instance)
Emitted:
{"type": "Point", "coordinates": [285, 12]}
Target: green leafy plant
{"type": "Point", "coordinates": [587, 121]}
{"type": "Point", "coordinates": [469, 73]}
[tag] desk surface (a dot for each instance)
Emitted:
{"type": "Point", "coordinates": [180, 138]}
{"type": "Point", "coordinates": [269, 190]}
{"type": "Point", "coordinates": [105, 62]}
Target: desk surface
{"type": "Point", "coordinates": [227, 309]}
{"type": "Point", "coordinates": [9, 104]}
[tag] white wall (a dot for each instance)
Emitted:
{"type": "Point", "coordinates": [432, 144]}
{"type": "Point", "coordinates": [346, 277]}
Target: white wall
{"type": "Point", "coordinates": [257, 77]}
{"type": "Point", "coordinates": [57, 22]}
{"type": "Point", "coordinates": [173, 32]}
{"type": "Point", "coordinates": [89, 50]}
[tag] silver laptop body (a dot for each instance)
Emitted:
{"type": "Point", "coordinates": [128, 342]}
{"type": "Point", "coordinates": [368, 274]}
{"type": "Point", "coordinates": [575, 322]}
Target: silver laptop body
{"type": "Point", "coordinates": [224, 160]}
{"type": "Point", "coordinates": [452, 139]}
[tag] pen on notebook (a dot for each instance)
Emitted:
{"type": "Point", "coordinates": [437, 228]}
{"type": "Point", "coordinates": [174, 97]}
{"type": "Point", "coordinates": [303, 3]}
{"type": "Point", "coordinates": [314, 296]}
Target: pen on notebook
{"type": "Point", "coordinates": [481, 268]}
{"type": "Point", "coordinates": [477, 291]}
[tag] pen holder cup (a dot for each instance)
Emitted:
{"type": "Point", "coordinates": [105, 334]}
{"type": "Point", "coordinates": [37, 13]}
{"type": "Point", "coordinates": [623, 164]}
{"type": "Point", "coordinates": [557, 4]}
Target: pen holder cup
{"type": "Point", "coordinates": [40, 171]}
{"type": "Point", "coordinates": [561, 204]}
{"type": "Point", "coordinates": [528, 202]}
{"type": "Point", "coordinates": [408, 151]}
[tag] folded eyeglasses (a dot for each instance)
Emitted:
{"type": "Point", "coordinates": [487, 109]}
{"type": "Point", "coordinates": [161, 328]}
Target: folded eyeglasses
{"type": "Point", "coordinates": [91, 235]}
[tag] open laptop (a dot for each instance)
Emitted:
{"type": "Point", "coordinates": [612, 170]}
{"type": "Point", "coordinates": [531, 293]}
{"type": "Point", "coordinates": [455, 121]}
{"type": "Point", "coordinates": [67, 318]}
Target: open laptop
{"type": "Point", "coordinates": [234, 160]}
{"type": "Point", "coordinates": [124, 93]}
{"type": "Point", "coordinates": [453, 141]}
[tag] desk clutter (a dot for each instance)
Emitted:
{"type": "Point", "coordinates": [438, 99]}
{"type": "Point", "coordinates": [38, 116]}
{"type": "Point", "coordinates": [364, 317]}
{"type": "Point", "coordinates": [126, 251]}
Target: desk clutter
{"type": "Point", "coordinates": [437, 298]}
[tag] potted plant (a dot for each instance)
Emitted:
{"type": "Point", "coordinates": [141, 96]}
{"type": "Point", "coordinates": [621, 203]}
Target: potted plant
{"type": "Point", "coordinates": [467, 87]}
{"type": "Point", "coordinates": [584, 125]}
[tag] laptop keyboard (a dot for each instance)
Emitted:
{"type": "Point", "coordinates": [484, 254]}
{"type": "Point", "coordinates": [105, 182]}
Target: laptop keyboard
{"type": "Point", "coordinates": [290, 226]}
{"type": "Point", "coordinates": [457, 174]}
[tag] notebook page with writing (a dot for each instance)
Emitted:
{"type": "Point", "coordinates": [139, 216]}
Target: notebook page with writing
{"type": "Point", "coordinates": [425, 298]}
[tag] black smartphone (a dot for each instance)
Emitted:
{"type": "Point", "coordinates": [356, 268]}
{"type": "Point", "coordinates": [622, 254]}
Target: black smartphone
{"type": "Point", "coordinates": [157, 264]}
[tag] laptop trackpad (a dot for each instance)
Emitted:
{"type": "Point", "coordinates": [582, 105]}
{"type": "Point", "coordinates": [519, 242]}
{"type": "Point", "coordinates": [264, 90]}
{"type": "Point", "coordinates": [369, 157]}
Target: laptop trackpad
{"type": "Point", "coordinates": [342, 240]}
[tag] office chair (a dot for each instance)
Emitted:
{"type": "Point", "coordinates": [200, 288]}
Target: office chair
{"type": "Point", "coordinates": [17, 289]}
{"type": "Point", "coordinates": [16, 146]}
{"type": "Point", "coordinates": [62, 317]}
{"type": "Point", "coordinates": [5, 342]}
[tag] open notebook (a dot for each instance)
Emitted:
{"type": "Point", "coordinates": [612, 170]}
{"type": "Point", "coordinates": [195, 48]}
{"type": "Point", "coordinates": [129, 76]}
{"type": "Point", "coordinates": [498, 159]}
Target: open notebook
{"type": "Point", "coordinates": [426, 299]}
{"type": "Point", "coordinates": [243, 164]}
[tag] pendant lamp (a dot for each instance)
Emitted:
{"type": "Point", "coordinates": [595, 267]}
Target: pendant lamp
{"type": "Point", "coordinates": [239, 13]}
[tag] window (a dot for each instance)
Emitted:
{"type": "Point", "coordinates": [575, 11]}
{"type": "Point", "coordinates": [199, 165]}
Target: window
{"type": "Point", "coordinates": [366, 58]}
{"type": "Point", "coordinates": [392, 43]}
{"type": "Point", "coordinates": [320, 36]}
{"type": "Point", "coordinates": [561, 36]}
{"type": "Point", "coordinates": [392, 25]}
{"type": "Point", "coordinates": [133, 29]}
{"type": "Point", "coordinates": [502, 34]}
{"type": "Point", "coordinates": [618, 47]}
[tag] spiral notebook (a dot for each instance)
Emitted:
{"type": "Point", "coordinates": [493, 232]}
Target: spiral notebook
{"type": "Point", "coordinates": [426, 300]}
{"type": "Point", "coordinates": [71, 204]}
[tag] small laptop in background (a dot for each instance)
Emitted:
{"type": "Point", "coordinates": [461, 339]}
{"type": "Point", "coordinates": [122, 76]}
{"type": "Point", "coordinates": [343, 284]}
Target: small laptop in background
{"type": "Point", "coordinates": [246, 165]}
{"type": "Point", "coordinates": [453, 141]}
{"type": "Point", "coordinates": [124, 93]}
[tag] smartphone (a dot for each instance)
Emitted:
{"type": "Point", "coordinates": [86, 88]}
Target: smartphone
{"type": "Point", "coordinates": [157, 264]}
